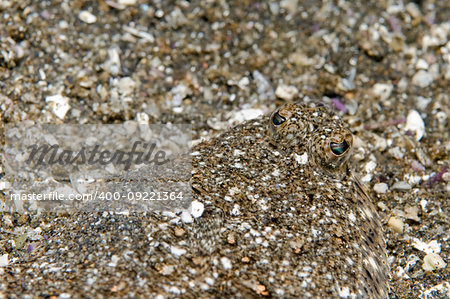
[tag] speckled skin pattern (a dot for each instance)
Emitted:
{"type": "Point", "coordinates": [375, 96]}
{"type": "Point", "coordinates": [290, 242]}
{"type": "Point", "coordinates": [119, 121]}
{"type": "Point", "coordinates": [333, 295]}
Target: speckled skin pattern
{"type": "Point", "coordinates": [282, 205]}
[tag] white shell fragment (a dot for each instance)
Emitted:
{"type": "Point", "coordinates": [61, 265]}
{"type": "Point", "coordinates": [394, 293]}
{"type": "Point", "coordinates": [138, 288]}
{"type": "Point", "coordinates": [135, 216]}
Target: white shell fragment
{"type": "Point", "coordinates": [380, 188]}
{"type": "Point", "coordinates": [413, 10]}
{"type": "Point", "coordinates": [127, 2]}
{"type": "Point", "coordinates": [186, 217]}
{"type": "Point", "coordinates": [226, 263]}
{"type": "Point", "coordinates": [396, 224]}
{"type": "Point", "coordinates": [414, 123]}
{"type": "Point", "coordinates": [4, 185]}
{"type": "Point", "coordinates": [422, 79]}
{"type": "Point", "coordinates": [430, 247]}
{"type": "Point", "coordinates": [370, 166]}
{"type": "Point", "coordinates": [177, 251]}
{"type": "Point", "coordinates": [144, 35]}
{"type": "Point", "coordinates": [59, 104]}
{"type": "Point", "coordinates": [115, 4]}
{"type": "Point", "coordinates": [244, 115]}
{"type": "Point", "coordinates": [301, 159]}
{"type": "Point", "coordinates": [87, 17]}
{"type": "Point", "coordinates": [443, 288]}
{"type": "Point", "coordinates": [114, 260]}
{"type": "Point", "coordinates": [382, 91]}
{"type": "Point", "coordinates": [197, 209]}
{"type": "Point", "coordinates": [4, 260]}
{"type": "Point", "coordinates": [438, 36]}
{"type": "Point", "coordinates": [179, 93]}
{"type": "Point", "coordinates": [433, 261]}
{"type": "Point", "coordinates": [401, 186]}
{"type": "Point", "coordinates": [446, 177]}
{"type": "Point", "coordinates": [126, 86]}
{"type": "Point", "coordinates": [112, 65]}
{"type": "Point", "coordinates": [286, 92]}
{"type": "Point", "coordinates": [243, 82]}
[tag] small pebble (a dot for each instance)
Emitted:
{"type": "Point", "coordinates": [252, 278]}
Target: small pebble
{"type": "Point", "coordinates": [416, 166]}
{"type": "Point", "coordinates": [286, 92]}
{"type": "Point", "coordinates": [430, 247]}
{"type": "Point", "coordinates": [380, 188]}
{"type": "Point", "coordinates": [396, 152]}
{"type": "Point", "coordinates": [446, 177]}
{"type": "Point", "coordinates": [421, 64]}
{"type": "Point", "coordinates": [413, 10]}
{"type": "Point", "coordinates": [231, 239]}
{"type": "Point", "coordinates": [186, 217]}
{"type": "Point", "coordinates": [438, 36]}
{"type": "Point", "coordinates": [87, 17]}
{"type": "Point", "coordinates": [411, 213]}
{"type": "Point", "coordinates": [396, 224]}
{"type": "Point", "coordinates": [179, 231]}
{"type": "Point", "coordinates": [59, 104]}
{"type": "Point", "coordinates": [423, 204]}
{"type": "Point", "coordinates": [339, 105]}
{"type": "Point", "coordinates": [382, 91]}
{"type": "Point", "coordinates": [4, 260]}
{"type": "Point", "coordinates": [422, 79]}
{"type": "Point", "coordinates": [301, 159]}
{"type": "Point", "coordinates": [197, 209]}
{"type": "Point", "coordinates": [301, 59]}
{"type": "Point", "coordinates": [370, 166]}
{"type": "Point", "coordinates": [179, 92]}
{"type": "Point", "coordinates": [422, 102]}
{"type": "Point", "coordinates": [4, 185]}
{"type": "Point", "coordinates": [240, 116]}
{"type": "Point", "coordinates": [415, 123]}
{"type": "Point", "coordinates": [226, 263]}
{"type": "Point", "coordinates": [243, 82]}
{"type": "Point", "coordinates": [127, 2]}
{"type": "Point", "coordinates": [113, 65]}
{"type": "Point", "coordinates": [114, 260]}
{"type": "Point", "coordinates": [177, 251]}
{"type": "Point", "coordinates": [441, 290]}
{"type": "Point", "coordinates": [433, 261]}
{"type": "Point", "coordinates": [382, 206]}
{"type": "Point", "coordinates": [159, 13]}
{"type": "Point", "coordinates": [209, 281]}
{"type": "Point", "coordinates": [6, 220]}
{"type": "Point", "coordinates": [401, 186]}
{"type": "Point", "coordinates": [126, 86]}
{"type": "Point", "coordinates": [176, 18]}
{"type": "Point", "coordinates": [167, 270]}
{"type": "Point", "coordinates": [367, 178]}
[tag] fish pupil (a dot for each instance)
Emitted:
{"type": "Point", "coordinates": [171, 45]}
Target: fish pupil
{"type": "Point", "coordinates": [339, 148]}
{"type": "Point", "coordinates": [278, 119]}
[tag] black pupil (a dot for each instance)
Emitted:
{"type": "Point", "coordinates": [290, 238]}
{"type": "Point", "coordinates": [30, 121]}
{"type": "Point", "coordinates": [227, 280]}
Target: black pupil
{"type": "Point", "coordinates": [339, 148]}
{"type": "Point", "coordinates": [278, 119]}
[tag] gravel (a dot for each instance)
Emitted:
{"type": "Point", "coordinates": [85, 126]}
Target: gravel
{"type": "Point", "coordinates": [384, 65]}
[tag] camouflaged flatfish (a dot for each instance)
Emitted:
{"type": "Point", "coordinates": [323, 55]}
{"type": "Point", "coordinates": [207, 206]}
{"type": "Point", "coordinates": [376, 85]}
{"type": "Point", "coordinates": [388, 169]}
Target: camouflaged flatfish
{"type": "Point", "coordinates": [284, 215]}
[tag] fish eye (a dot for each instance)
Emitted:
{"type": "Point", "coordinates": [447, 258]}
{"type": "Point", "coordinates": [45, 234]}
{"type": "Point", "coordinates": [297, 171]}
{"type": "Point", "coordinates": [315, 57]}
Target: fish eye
{"type": "Point", "coordinates": [277, 119]}
{"type": "Point", "coordinates": [339, 148]}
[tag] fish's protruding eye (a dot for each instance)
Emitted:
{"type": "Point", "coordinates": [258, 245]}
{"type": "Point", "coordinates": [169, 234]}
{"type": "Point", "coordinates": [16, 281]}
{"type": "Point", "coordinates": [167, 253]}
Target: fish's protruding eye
{"type": "Point", "coordinates": [339, 148]}
{"type": "Point", "coordinates": [277, 119]}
